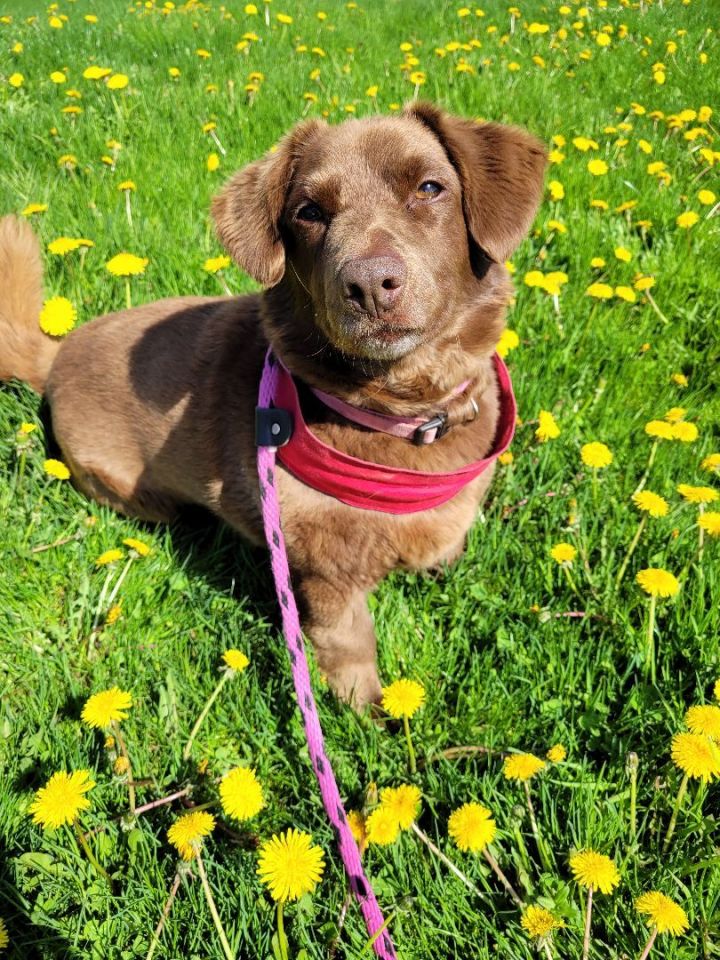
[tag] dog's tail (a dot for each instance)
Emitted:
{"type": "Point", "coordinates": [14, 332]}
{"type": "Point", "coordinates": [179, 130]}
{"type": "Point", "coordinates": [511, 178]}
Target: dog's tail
{"type": "Point", "coordinates": [26, 353]}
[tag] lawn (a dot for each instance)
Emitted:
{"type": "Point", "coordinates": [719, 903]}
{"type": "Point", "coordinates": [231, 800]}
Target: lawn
{"type": "Point", "coordinates": [617, 325]}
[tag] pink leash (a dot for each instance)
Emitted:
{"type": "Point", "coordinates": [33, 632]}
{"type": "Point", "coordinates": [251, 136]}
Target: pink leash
{"type": "Point", "coordinates": [334, 808]}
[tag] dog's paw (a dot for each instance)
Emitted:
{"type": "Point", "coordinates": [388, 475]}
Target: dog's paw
{"type": "Point", "coordinates": [357, 684]}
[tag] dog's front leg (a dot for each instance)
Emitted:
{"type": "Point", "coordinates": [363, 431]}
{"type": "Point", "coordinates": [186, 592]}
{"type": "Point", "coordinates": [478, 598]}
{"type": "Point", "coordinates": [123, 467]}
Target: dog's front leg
{"type": "Point", "coordinates": [337, 620]}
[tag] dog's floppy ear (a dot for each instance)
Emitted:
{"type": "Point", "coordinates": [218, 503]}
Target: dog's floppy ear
{"type": "Point", "coordinates": [247, 210]}
{"type": "Point", "coordinates": [501, 169]}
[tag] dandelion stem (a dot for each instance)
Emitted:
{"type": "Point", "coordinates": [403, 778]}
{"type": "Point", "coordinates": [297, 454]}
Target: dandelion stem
{"type": "Point", "coordinates": [676, 809]}
{"type": "Point", "coordinates": [100, 607]}
{"type": "Point", "coordinates": [204, 712]}
{"type": "Point", "coordinates": [588, 921]}
{"type": "Point", "coordinates": [656, 308]}
{"type": "Point", "coordinates": [649, 945]}
{"type": "Point", "coordinates": [701, 536]}
{"type": "Point", "coordinates": [119, 581]}
{"type": "Point", "coordinates": [595, 487]}
{"type": "Point", "coordinates": [128, 301]}
{"type": "Point", "coordinates": [90, 855]}
{"type": "Point", "coordinates": [548, 951]}
{"type": "Point", "coordinates": [448, 863]}
{"type": "Point", "coordinates": [128, 210]}
{"type": "Point", "coordinates": [282, 938]}
{"type": "Point", "coordinates": [535, 829]}
{"type": "Point", "coordinates": [650, 649]}
{"type": "Point", "coordinates": [124, 751]}
{"type": "Point", "coordinates": [495, 867]}
{"type": "Point", "coordinates": [157, 933]}
{"type": "Point", "coordinates": [570, 579]}
{"type": "Point", "coordinates": [412, 765]}
{"type": "Point", "coordinates": [651, 460]}
{"type": "Point", "coordinates": [213, 909]}
{"type": "Point", "coordinates": [632, 769]}
{"type": "Point", "coordinates": [163, 800]}
{"type": "Point", "coordinates": [631, 549]}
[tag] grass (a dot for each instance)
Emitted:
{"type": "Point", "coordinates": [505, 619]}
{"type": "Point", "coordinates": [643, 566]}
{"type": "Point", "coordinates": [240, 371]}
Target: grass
{"type": "Point", "coordinates": [511, 656]}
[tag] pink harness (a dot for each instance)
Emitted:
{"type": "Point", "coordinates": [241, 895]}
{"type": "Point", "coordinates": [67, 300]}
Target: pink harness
{"type": "Point", "coordinates": [358, 483]}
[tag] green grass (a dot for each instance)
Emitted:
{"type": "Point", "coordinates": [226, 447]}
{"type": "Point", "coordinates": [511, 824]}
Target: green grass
{"type": "Point", "coordinates": [503, 664]}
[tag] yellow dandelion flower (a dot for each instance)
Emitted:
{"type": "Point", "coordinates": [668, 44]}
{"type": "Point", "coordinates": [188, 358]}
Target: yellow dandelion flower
{"type": "Point", "coordinates": [382, 827]}
{"type": "Point", "coordinates": [716, 690]}
{"type": "Point", "coordinates": [16, 80]}
{"type": "Point", "coordinates": [142, 549]}
{"type": "Point", "coordinates": [64, 245]}
{"type": "Point", "coordinates": [283, 18]}
{"type": "Point", "coordinates": [697, 494]}
{"type": "Point", "coordinates": [680, 379]}
{"type": "Point", "coordinates": [62, 799]}
{"type": "Point", "coordinates": [118, 81]}
{"type": "Point", "coordinates": [113, 613]}
{"type": "Point", "coordinates": [623, 254]}
{"type": "Point", "coordinates": [290, 865]}
{"type": "Point", "coordinates": [563, 553]}
{"type": "Point", "coordinates": [127, 185]}
{"type": "Point", "coordinates": [56, 468]}
{"type": "Point", "coordinates": [33, 208]}
{"type": "Point", "coordinates": [534, 278]}
{"type": "Point", "coordinates": [704, 719]}
{"type": "Point", "coordinates": [687, 219]}
{"type": "Point", "coordinates": [557, 753]}
{"type": "Point", "coordinates": [711, 463]}
{"type": "Point", "coordinates": [685, 432]}
{"type": "Point", "coordinates": [57, 316]}
{"type": "Point", "coordinates": [596, 455]}
{"type": "Point", "coordinates": [403, 698]}
{"type": "Point", "coordinates": [592, 869]}
{"type": "Point", "coordinates": [96, 73]}
{"type": "Point", "coordinates": [600, 291]}
{"type": "Point", "coordinates": [26, 428]}
{"type": "Point", "coordinates": [522, 766]}
{"type": "Point", "coordinates": [126, 265]}
{"type": "Point", "coordinates": [547, 427]}
{"type": "Point", "coordinates": [402, 802]}
{"type": "Point", "coordinates": [556, 189]}
{"type": "Point", "coordinates": [651, 503]}
{"type": "Point", "coordinates": [215, 264]}
{"type": "Point", "coordinates": [662, 913]}
{"type": "Point", "coordinates": [597, 262]}
{"type": "Point", "coordinates": [598, 168]}
{"type": "Point", "coordinates": [506, 458]}
{"type": "Point", "coordinates": [626, 293]}
{"type": "Point", "coordinates": [659, 429]}
{"type": "Point", "coordinates": [241, 794]}
{"type": "Point", "coordinates": [675, 414]}
{"type": "Point", "coordinates": [658, 582]}
{"type": "Point", "coordinates": [187, 832]}
{"type": "Point", "coordinates": [696, 755]}
{"type": "Point", "coordinates": [706, 197]}
{"type": "Point", "coordinates": [121, 766]}
{"type": "Point", "coordinates": [356, 822]}
{"type": "Point", "coordinates": [508, 341]}
{"type": "Point", "coordinates": [471, 827]}
{"type": "Point", "coordinates": [538, 922]}
{"type": "Point", "coordinates": [213, 162]}
{"type": "Point", "coordinates": [236, 660]}
{"type": "Point", "coordinates": [644, 283]}
{"type": "Point", "coordinates": [103, 709]}
{"type": "Point", "coordinates": [710, 522]}
{"type": "Point", "coordinates": [109, 556]}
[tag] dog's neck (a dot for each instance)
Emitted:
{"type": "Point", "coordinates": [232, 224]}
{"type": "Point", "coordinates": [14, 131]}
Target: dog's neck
{"type": "Point", "coordinates": [419, 383]}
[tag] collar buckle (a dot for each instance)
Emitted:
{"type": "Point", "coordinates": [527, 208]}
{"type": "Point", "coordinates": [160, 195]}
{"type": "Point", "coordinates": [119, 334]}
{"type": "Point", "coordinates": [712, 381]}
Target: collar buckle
{"type": "Point", "coordinates": [439, 424]}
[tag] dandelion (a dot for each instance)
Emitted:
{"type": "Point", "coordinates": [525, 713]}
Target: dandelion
{"type": "Point", "coordinates": [403, 803]}
{"type": "Point", "coordinates": [290, 866]}
{"type": "Point", "coordinates": [657, 583]}
{"type": "Point", "coordinates": [685, 432]}
{"type": "Point", "coordinates": [118, 81]}
{"type": "Point", "coordinates": [598, 168]}
{"type": "Point", "coordinates": [402, 699]}
{"type": "Point", "coordinates": [16, 80]}
{"type": "Point", "coordinates": [356, 822]}
{"type": "Point", "coordinates": [711, 463]}
{"type": "Point", "coordinates": [215, 264]}
{"type": "Point", "coordinates": [704, 719]}
{"type": "Point", "coordinates": [596, 456]}
{"type": "Point", "coordinates": [659, 429]}
{"type": "Point", "coordinates": [698, 756]}
{"type": "Point", "coordinates": [64, 245]}
{"type": "Point", "coordinates": [557, 190]}
{"type": "Point", "coordinates": [241, 794]}
{"type": "Point", "coordinates": [557, 753]}
{"type": "Point", "coordinates": [687, 219]}
{"type": "Point", "coordinates": [522, 767]}
{"type": "Point", "coordinates": [663, 916]}
{"type": "Point", "coordinates": [600, 291]}
{"type": "Point", "coordinates": [56, 468]}
{"type": "Point", "coordinates": [538, 922]}
{"type": "Point", "coordinates": [651, 505]}
{"type": "Point", "coordinates": [62, 799]}
{"type": "Point", "coordinates": [57, 316]}
{"type": "Point", "coordinates": [106, 708]}
{"type": "Point", "coordinates": [547, 427]}
{"type": "Point", "coordinates": [213, 162]}
{"type": "Point", "coordinates": [140, 548]}
{"type": "Point", "coordinates": [33, 208]}
{"type": "Point", "coordinates": [382, 826]}
{"type": "Point", "coordinates": [235, 662]}
{"type": "Point", "coordinates": [563, 553]}
{"type": "Point", "coordinates": [700, 495]}
{"type": "Point", "coordinates": [127, 265]}
{"type": "Point", "coordinates": [109, 556]}
{"type": "Point", "coordinates": [508, 341]}
{"type": "Point", "coordinates": [710, 523]}
{"type": "Point", "coordinates": [706, 197]}
{"type": "Point", "coordinates": [471, 827]}
{"type": "Point", "coordinates": [594, 871]}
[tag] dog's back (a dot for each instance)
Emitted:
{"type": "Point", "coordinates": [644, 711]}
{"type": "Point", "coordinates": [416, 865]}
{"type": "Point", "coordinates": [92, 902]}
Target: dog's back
{"type": "Point", "coordinates": [26, 353]}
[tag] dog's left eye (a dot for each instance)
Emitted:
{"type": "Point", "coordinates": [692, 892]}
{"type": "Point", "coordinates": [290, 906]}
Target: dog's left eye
{"type": "Point", "coordinates": [310, 213]}
{"type": "Point", "coordinates": [428, 190]}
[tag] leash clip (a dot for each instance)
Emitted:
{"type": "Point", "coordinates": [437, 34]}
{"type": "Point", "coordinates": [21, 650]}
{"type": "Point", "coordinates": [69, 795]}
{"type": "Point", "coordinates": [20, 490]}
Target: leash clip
{"type": "Point", "coordinates": [439, 424]}
{"type": "Point", "coordinates": [273, 426]}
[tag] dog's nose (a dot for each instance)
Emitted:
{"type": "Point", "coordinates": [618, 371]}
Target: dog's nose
{"type": "Point", "coordinates": [373, 284]}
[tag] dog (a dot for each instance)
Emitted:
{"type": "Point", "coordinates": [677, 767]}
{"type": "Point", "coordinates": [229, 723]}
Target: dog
{"type": "Point", "coordinates": [381, 243]}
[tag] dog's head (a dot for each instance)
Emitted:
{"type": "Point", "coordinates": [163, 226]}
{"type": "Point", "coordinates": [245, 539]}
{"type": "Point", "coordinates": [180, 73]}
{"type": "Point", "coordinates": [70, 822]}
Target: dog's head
{"type": "Point", "coordinates": [384, 229]}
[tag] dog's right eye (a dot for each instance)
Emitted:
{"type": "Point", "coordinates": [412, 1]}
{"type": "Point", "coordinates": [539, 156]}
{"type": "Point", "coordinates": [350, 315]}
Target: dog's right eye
{"type": "Point", "coordinates": [310, 213]}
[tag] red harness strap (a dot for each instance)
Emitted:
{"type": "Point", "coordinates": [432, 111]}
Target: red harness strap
{"type": "Point", "coordinates": [374, 486]}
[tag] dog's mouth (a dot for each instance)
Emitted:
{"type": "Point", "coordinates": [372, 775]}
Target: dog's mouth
{"type": "Point", "coordinates": [376, 339]}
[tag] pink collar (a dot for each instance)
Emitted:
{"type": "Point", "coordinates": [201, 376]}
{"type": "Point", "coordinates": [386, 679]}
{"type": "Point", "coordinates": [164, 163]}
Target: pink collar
{"type": "Point", "coordinates": [374, 486]}
{"type": "Point", "coordinates": [420, 430]}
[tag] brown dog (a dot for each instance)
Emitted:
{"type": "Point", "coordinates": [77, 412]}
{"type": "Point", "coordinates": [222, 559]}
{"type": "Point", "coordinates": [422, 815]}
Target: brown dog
{"type": "Point", "coordinates": [382, 244]}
